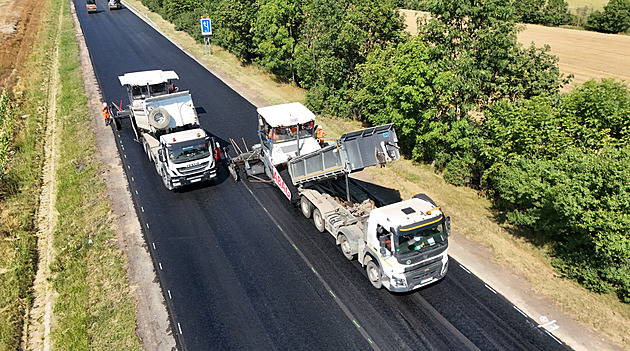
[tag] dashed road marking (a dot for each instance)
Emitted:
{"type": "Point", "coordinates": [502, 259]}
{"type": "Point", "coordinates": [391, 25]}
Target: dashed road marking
{"type": "Point", "coordinates": [180, 328]}
{"type": "Point", "coordinates": [160, 264]}
{"type": "Point", "coordinates": [169, 295]}
{"type": "Point", "coordinates": [521, 312]}
{"type": "Point", "coordinates": [153, 246]}
{"type": "Point", "coordinates": [489, 288]}
{"type": "Point", "coordinates": [464, 268]}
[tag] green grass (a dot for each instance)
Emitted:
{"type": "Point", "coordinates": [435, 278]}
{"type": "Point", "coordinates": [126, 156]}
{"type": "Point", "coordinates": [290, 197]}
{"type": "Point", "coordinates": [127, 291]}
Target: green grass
{"type": "Point", "coordinates": [95, 309]}
{"type": "Point", "coordinates": [19, 196]}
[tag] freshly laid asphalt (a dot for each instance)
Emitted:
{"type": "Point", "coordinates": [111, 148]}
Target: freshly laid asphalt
{"type": "Point", "coordinates": [242, 269]}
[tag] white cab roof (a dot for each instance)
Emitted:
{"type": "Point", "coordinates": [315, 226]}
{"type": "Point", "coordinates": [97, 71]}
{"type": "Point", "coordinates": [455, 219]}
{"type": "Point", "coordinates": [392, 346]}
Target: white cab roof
{"type": "Point", "coordinates": [408, 212]}
{"type": "Point", "coordinates": [147, 77]}
{"type": "Point", "coordinates": [286, 114]}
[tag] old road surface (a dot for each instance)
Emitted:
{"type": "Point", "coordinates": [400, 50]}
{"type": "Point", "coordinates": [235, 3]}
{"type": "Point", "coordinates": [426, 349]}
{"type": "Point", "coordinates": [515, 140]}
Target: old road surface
{"type": "Point", "coordinates": [241, 269]}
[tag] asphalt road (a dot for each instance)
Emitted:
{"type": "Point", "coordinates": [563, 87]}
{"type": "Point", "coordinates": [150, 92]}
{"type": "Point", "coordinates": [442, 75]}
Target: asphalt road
{"type": "Point", "coordinates": [241, 269]}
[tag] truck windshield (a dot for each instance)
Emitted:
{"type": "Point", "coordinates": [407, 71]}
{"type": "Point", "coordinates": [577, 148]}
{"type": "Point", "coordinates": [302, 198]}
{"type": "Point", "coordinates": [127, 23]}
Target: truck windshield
{"type": "Point", "coordinates": [420, 239]}
{"type": "Point", "coordinates": [280, 134]}
{"type": "Point", "coordinates": [188, 151]}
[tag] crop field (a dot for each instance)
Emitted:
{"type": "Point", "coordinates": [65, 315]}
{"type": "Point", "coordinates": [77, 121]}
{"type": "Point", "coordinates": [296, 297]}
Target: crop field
{"type": "Point", "coordinates": [584, 54]}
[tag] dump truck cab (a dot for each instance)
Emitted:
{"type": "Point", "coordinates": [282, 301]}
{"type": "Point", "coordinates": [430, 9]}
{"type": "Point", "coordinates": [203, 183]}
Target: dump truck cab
{"type": "Point", "coordinates": [114, 4]}
{"type": "Point", "coordinates": [90, 6]}
{"type": "Point", "coordinates": [286, 131]}
{"type": "Point", "coordinates": [409, 241]}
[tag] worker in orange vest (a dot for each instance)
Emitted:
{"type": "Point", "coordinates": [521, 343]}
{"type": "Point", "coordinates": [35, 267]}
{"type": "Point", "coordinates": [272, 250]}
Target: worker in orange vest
{"type": "Point", "coordinates": [106, 116]}
{"type": "Point", "coordinates": [320, 135]}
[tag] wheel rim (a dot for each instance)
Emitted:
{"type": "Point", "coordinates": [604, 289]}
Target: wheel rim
{"type": "Point", "coordinates": [306, 207]}
{"type": "Point", "coordinates": [345, 246]}
{"type": "Point", "coordinates": [318, 220]}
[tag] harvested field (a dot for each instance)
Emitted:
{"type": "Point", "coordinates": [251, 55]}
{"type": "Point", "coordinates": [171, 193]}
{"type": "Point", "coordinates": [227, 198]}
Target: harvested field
{"type": "Point", "coordinates": [584, 54]}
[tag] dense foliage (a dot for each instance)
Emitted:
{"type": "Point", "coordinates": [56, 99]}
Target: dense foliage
{"type": "Point", "coordinates": [559, 166]}
{"type": "Point", "coordinates": [614, 19]}
{"type": "Point", "coordinates": [464, 96]}
{"type": "Point", "coordinates": [545, 12]}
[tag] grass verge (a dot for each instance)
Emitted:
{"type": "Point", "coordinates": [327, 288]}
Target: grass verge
{"type": "Point", "coordinates": [472, 214]}
{"type": "Point", "coordinates": [95, 309]}
{"type": "Point", "coordinates": [19, 193]}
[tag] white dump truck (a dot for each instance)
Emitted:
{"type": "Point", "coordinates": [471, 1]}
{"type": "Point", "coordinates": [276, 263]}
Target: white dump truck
{"type": "Point", "coordinates": [165, 122]}
{"type": "Point", "coordinates": [402, 245]}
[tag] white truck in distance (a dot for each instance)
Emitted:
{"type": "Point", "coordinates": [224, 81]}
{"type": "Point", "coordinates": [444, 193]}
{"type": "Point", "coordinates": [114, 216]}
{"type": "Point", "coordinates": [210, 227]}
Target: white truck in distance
{"type": "Point", "coordinates": [165, 122]}
{"type": "Point", "coordinates": [403, 245]}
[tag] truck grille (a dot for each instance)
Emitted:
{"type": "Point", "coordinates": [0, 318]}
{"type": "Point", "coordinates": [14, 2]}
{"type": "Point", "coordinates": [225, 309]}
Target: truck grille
{"type": "Point", "coordinates": [192, 169]}
{"type": "Point", "coordinates": [425, 271]}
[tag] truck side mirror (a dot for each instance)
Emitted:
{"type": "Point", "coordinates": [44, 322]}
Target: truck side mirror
{"type": "Point", "coordinates": [448, 226]}
{"type": "Point", "coordinates": [161, 155]}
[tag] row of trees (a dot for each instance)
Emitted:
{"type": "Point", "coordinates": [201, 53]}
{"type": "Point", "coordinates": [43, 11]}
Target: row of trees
{"type": "Point", "coordinates": [465, 96]}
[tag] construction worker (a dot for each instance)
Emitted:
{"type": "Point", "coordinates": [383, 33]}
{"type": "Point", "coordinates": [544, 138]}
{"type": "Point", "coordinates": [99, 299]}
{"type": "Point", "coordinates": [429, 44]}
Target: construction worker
{"type": "Point", "coordinates": [320, 135]}
{"type": "Point", "coordinates": [106, 116]}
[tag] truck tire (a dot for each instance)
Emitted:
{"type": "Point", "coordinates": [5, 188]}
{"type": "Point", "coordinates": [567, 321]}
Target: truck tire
{"type": "Point", "coordinates": [147, 149]}
{"type": "Point", "coordinates": [159, 118]}
{"type": "Point", "coordinates": [166, 182]}
{"type": "Point", "coordinates": [374, 274]}
{"type": "Point", "coordinates": [319, 220]}
{"type": "Point", "coordinates": [345, 246]}
{"type": "Point", "coordinates": [306, 207]}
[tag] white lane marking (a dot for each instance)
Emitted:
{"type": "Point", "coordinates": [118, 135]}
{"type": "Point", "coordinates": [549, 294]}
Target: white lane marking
{"type": "Point", "coordinates": [169, 295]}
{"type": "Point", "coordinates": [489, 288]}
{"type": "Point", "coordinates": [133, 180]}
{"type": "Point", "coordinates": [125, 155]}
{"type": "Point", "coordinates": [160, 264]}
{"type": "Point", "coordinates": [153, 246]}
{"type": "Point", "coordinates": [180, 328]}
{"type": "Point", "coordinates": [147, 225]}
{"type": "Point", "coordinates": [136, 192]}
{"type": "Point", "coordinates": [464, 268]}
{"type": "Point", "coordinates": [553, 337]}
{"type": "Point", "coordinates": [521, 312]}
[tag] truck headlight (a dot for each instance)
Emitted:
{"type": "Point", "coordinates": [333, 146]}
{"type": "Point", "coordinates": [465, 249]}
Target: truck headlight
{"type": "Point", "coordinates": [399, 281]}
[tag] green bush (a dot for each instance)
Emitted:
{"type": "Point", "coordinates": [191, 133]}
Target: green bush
{"type": "Point", "coordinates": [614, 19]}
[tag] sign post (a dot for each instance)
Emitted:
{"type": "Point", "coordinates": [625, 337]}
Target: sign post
{"type": "Point", "coordinates": [206, 31]}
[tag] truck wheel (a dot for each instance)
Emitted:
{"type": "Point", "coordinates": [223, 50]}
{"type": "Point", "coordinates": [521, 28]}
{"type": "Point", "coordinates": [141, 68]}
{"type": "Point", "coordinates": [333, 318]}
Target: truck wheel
{"type": "Point", "coordinates": [344, 244]}
{"type": "Point", "coordinates": [374, 274]}
{"type": "Point", "coordinates": [306, 206]}
{"type": "Point", "coordinates": [147, 149]}
{"type": "Point", "coordinates": [318, 220]}
{"type": "Point", "coordinates": [166, 182]}
{"type": "Point", "coordinates": [233, 169]}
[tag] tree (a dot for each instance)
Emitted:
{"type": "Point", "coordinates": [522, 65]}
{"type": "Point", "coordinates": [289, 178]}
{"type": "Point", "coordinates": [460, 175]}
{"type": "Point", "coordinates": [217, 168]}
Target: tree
{"type": "Point", "coordinates": [545, 12]}
{"type": "Point", "coordinates": [614, 19]}
{"type": "Point", "coordinates": [580, 202]}
{"type": "Point", "coordinates": [337, 36]}
{"type": "Point", "coordinates": [401, 85]}
{"type": "Point", "coordinates": [277, 30]}
{"type": "Point", "coordinates": [232, 22]}
{"type": "Point", "coordinates": [477, 42]}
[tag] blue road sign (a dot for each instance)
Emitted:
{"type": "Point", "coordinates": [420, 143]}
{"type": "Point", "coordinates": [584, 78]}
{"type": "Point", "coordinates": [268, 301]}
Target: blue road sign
{"type": "Point", "coordinates": [206, 27]}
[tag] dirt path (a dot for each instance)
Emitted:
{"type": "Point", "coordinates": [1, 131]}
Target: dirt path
{"type": "Point", "coordinates": [584, 54]}
{"type": "Point", "coordinates": [40, 318]}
